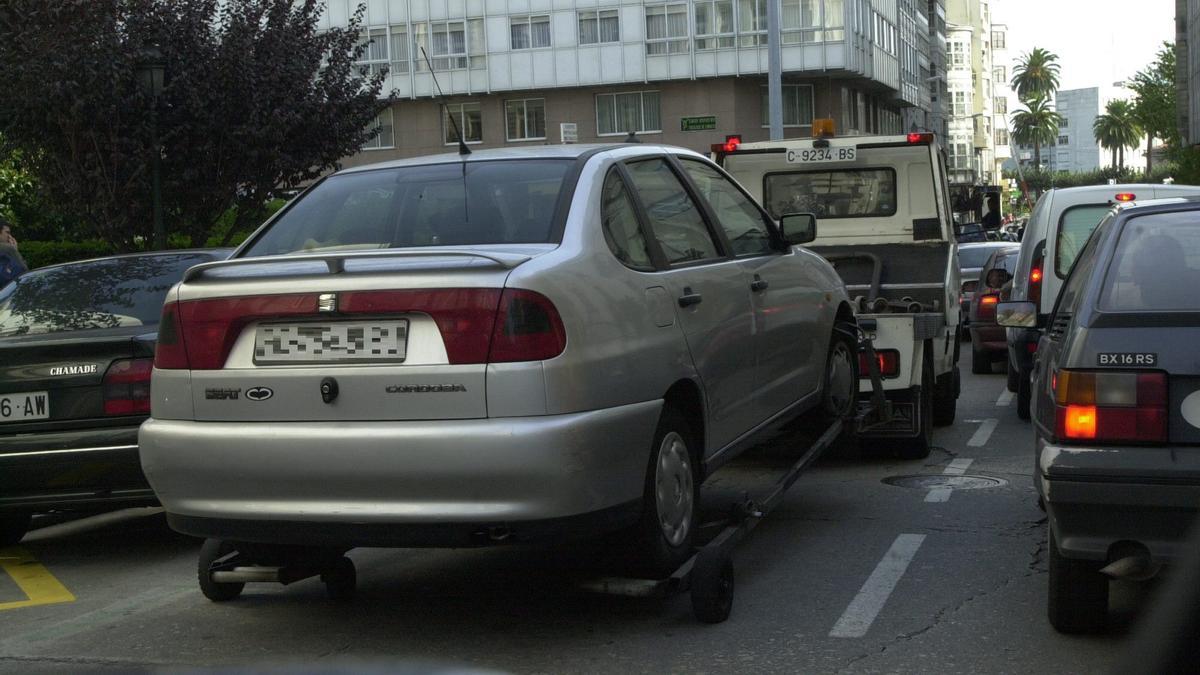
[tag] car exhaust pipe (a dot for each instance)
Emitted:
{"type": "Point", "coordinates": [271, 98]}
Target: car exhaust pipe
{"type": "Point", "coordinates": [1130, 562]}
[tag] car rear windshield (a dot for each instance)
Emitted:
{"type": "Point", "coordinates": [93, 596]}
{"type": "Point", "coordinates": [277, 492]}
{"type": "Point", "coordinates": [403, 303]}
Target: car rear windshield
{"type": "Point", "coordinates": [458, 204]}
{"type": "Point", "coordinates": [102, 294]}
{"type": "Point", "coordinates": [845, 193]}
{"type": "Point", "coordinates": [974, 256]}
{"type": "Point", "coordinates": [1074, 227]}
{"type": "Point", "coordinates": [1156, 266]}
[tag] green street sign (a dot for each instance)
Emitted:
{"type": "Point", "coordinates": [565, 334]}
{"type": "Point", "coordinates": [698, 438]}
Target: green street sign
{"type": "Point", "coordinates": [701, 123]}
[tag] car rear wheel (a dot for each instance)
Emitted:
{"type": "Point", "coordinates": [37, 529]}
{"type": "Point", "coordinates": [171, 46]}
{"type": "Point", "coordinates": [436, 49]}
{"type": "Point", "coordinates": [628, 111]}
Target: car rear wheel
{"type": "Point", "coordinates": [981, 361]}
{"type": "Point", "coordinates": [1077, 601]}
{"type": "Point", "coordinates": [841, 376]}
{"type": "Point", "coordinates": [1012, 376]}
{"type": "Point", "coordinates": [13, 528]}
{"type": "Point", "coordinates": [667, 530]}
{"type": "Point", "coordinates": [1024, 390]}
{"type": "Point", "coordinates": [945, 397]}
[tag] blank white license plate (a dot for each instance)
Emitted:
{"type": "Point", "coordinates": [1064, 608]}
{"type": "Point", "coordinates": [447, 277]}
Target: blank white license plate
{"type": "Point", "coordinates": [334, 342]}
{"type": "Point", "coordinates": [28, 405]}
{"type": "Point", "coordinates": [820, 155]}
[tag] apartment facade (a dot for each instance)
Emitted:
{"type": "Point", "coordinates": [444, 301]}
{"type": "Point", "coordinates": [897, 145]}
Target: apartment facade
{"type": "Point", "coordinates": [681, 72]}
{"type": "Point", "coordinates": [970, 79]}
{"type": "Point", "coordinates": [1001, 95]}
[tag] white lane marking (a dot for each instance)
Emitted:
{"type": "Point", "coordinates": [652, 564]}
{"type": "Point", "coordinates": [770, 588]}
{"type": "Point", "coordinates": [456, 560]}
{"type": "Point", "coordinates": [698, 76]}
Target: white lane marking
{"type": "Point", "coordinates": [1006, 397]}
{"type": "Point", "coordinates": [941, 494]}
{"type": "Point", "coordinates": [983, 433]}
{"type": "Point", "coordinates": [958, 467]}
{"type": "Point", "coordinates": [861, 613]}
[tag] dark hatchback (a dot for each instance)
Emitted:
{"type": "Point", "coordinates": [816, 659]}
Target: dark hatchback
{"type": "Point", "coordinates": [1116, 406]}
{"type": "Point", "coordinates": [76, 351]}
{"type": "Point", "coordinates": [988, 340]}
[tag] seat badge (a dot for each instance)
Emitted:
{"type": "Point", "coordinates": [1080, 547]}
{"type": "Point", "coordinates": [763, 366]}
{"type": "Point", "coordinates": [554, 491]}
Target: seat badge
{"type": "Point", "coordinates": [327, 302]}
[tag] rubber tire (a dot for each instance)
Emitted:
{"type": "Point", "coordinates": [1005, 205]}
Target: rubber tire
{"type": "Point", "coordinates": [981, 361]}
{"type": "Point", "coordinates": [13, 527]}
{"type": "Point", "coordinates": [341, 580]}
{"type": "Point", "coordinates": [712, 586]}
{"type": "Point", "coordinates": [1023, 394]}
{"type": "Point", "coordinates": [1012, 376]}
{"type": "Point", "coordinates": [945, 398]}
{"type": "Point", "coordinates": [919, 446]}
{"type": "Point", "coordinates": [654, 556]}
{"type": "Point", "coordinates": [1077, 600]}
{"type": "Point", "coordinates": [217, 591]}
{"type": "Point", "coordinates": [829, 410]}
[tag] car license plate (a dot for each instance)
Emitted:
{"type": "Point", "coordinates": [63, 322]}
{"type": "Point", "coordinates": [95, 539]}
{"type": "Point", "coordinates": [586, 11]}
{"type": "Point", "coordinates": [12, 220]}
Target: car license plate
{"type": "Point", "coordinates": [819, 155]}
{"type": "Point", "coordinates": [22, 406]}
{"type": "Point", "coordinates": [334, 342]}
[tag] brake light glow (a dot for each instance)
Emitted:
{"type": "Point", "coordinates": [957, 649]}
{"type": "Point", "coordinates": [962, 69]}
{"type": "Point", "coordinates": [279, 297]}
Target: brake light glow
{"type": "Point", "coordinates": [1112, 406]}
{"type": "Point", "coordinates": [730, 145]}
{"type": "Point", "coordinates": [127, 387]}
{"type": "Point", "coordinates": [989, 299]}
{"type": "Point", "coordinates": [887, 359]}
{"type": "Point", "coordinates": [987, 306]}
{"type": "Point", "coordinates": [919, 138]}
{"type": "Point", "coordinates": [1125, 196]}
{"type": "Point", "coordinates": [1035, 277]}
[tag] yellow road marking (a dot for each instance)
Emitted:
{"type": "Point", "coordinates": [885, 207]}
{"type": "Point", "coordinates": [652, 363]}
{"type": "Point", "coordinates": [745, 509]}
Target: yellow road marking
{"type": "Point", "coordinates": [34, 580]}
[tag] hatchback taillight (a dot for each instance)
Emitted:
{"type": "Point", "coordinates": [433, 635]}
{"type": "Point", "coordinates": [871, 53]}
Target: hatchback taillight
{"type": "Point", "coordinates": [1110, 406]}
{"type": "Point", "coordinates": [987, 307]}
{"type": "Point", "coordinates": [1035, 277]}
{"type": "Point", "coordinates": [127, 387]}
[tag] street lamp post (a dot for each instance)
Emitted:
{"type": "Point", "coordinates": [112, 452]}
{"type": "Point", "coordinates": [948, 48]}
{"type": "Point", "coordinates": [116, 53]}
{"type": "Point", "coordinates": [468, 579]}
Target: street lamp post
{"type": "Point", "coordinates": [150, 70]}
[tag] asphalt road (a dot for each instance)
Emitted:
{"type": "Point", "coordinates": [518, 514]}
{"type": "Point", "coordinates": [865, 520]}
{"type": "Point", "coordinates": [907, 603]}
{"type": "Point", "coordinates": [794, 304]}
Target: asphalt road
{"type": "Point", "coordinates": [849, 574]}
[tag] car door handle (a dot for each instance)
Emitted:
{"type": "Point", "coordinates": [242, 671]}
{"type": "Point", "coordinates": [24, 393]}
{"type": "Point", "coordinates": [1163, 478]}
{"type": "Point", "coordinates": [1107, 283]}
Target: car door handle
{"type": "Point", "coordinates": [759, 284]}
{"type": "Point", "coordinates": [689, 298]}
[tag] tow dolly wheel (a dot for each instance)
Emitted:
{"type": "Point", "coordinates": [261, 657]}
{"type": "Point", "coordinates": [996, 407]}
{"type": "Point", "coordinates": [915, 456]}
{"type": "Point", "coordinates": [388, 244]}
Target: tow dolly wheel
{"type": "Point", "coordinates": [340, 579]}
{"type": "Point", "coordinates": [712, 586]}
{"type": "Point", "coordinates": [211, 551]}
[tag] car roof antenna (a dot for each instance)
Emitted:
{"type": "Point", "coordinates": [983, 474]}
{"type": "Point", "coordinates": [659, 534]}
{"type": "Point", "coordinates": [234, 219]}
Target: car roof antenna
{"type": "Point", "coordinates": [462, 144]}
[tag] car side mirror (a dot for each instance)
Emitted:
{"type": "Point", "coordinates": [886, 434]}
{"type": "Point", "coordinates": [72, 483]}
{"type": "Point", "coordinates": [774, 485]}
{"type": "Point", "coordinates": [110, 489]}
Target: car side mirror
{"type": "Point", "coordinates": [1016, 314]}
{"type": "Point", "coordinates": [798, 228]}
{"type": "Point", "coordinates": [997, 278]}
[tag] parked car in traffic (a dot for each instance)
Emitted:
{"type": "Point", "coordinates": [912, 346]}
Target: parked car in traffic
{"type": "Point", "coordinates": [971, 259]}
{"type": "Point", "coordinates": [517, 344]}
{"type": "Point", "coordinates": [1061, 221]}
{"type": "Point", "coordinates": [76, 348]}
{"type": "Point", "coordinates": [1117, 406]}
{"type": "Point", "coordinates": [988, 344]}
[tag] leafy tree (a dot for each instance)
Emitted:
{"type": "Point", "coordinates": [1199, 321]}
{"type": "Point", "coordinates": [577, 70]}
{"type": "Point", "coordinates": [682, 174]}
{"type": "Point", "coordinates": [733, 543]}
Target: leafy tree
{"type": "Point", "coordinates": [1036, 75]}
{"type": "Point", "coordinates": [256, 99]}
{"type": "Point", "coordinates": [1155, 102]}
{"type": "Point", "coordinates": [1117, 129]}
{"type": "Point", "coordinates": [1036, 125]}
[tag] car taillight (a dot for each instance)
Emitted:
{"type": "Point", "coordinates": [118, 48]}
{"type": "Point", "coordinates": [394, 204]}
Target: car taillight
{"type": "Point", "coordinates": [987, 306]}
{"type": "Point", "coordinates": [169, 352]}
{"type": "Point", "coordinates": [887, 359]}
{"type": "Point", "coordinates": [1035, 278]}
{"type": "Point", "coordinates": [464, 316]}
{"type": "Point", "coordinates": [127, 387]}
{"type": "Point", "coordinates": [528, 328]}
{"type": "Point", "coordinates": [1110, 406]}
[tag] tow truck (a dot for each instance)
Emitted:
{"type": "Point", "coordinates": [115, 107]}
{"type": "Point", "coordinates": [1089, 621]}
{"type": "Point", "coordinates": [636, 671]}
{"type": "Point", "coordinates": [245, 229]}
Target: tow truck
{"type": "Point", "coordinates": [882, 205]}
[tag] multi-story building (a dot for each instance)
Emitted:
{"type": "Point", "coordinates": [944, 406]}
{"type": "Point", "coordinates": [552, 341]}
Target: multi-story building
{"type": "Point", "coordinates": [1187, 72]}
{"type": "Point", "coordinates": [971, 92]}
{"type": "Point", "coordinates": [680, 72]}
{"type": "Point", "coordinates": [1076, 148]}
{"type": "Point", "coordinates": [937, 119]}
{"type": "Point", "coordinates": [1001, 93]}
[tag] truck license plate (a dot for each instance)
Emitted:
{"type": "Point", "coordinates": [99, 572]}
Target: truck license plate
{"type": "Point", "coordinates": [819, 155]}
{"type": "Point", "coordinates": [29, 405]}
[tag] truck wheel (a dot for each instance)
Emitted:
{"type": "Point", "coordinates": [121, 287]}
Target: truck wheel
{"type": "Point", "coordinates": [841, 378]}
{"type": "Point", "coordinates": [1013, 377]}
{"type": "Point", "coordinates": [945, 398]}
{"type": "Point", "coordinates": [1077, 601]}
{"type": "Point", "coordinates": [13, 527]}
{"type": "Point", "coordinates": [666, 533]}
{"type": "Point", "coordinates": [919, 446]}
{"type": "Point", "coordinates": [217, 591]}
{"type": "Point", "coordinates": [981, 361]}
{"type": "Point", "coordinates": [1024, 387]}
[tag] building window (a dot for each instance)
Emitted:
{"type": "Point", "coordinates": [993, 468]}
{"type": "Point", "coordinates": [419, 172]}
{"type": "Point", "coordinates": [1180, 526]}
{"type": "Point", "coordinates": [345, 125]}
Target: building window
{"type": "Point", "coordinates": [1000, 74]}
{"type": "Point", "coordinates": [998, 38]}
{"type": "Point", "coordinates": [714, 24]}
{"type": "Point", "coordinates": [752, 23]}
{"type": "Point", "coordinates": [883, 33]}
{"type": "Point", "coordinates": [667, 29]}
{"type": "Point", "coordinates": [374, 58]}
{"type": "Point", "coordinates": [799, 21]}
{"type": "Point", "coordinates": [450, 45]}
{"type": "Point", "coordinates": [530, 32]}
{"type": "Point", "coordinates": [599, 26]}
{"type": "Point", "coordinates": [1064, 139]}
{"type": "Point", "coordinates": [525, 119]}
{"type": "Point", "coordinates": [469, 118]}
{"type": "Point", "coordinates": [1062, 124]}
{"type": "Point", "coordinates": [1002, 137]}
{"type": "Point", "coordinates": [385, 136]}
{"type": "Point", "coordinates": [958, 55]}
{"type": "Point", "coordinates": [400, 52]}
{"type": "Point", "coordinates": [797, 105]}
{"type": "Point", "coordinates": [958, 107]}
{"type": "Point", "coordinates": [636, 111]}
{"type": "Point", "coordinates": [1001, 105]}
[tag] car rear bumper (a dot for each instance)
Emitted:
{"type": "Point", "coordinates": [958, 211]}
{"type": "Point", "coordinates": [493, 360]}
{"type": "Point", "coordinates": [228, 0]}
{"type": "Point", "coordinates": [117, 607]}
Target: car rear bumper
{"type": "Point", "coordinates": [78, 469]}
{"type": "Point", "coordinates": [1097, 497]}
{"type": "Point", "coordinates": [988, 337]}
{"type": "Point", "coordinates": [399, 483]}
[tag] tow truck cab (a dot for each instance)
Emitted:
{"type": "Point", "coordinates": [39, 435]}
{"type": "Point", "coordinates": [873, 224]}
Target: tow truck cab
{"type": "Point", "coordinates": [884, 220]}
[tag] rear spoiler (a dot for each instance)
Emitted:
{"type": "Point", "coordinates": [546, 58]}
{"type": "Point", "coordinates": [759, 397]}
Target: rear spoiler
{"type": "Point", "coordinates": [336, 262]}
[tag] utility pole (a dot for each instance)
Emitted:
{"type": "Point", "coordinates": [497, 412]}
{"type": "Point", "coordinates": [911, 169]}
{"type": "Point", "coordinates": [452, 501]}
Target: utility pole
{"type": "Point", "coordinates": [774, 70]}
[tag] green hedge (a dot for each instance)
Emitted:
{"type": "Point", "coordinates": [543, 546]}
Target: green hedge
{"type": "Point", "coordinates": [42, 253]}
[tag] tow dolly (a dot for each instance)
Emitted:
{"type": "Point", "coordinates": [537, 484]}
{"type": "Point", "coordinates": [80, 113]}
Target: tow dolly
{"type": "Point", "coordinates": [708, 574]}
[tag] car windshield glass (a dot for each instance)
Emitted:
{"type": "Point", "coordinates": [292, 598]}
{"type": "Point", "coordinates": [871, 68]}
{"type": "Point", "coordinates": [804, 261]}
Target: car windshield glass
{"type": "Point", "coordinates": [102, 294]}
{"type": "Point", "coordinates": [1074, 227]}
{"type": "Point", "coordinates": [1156, 266]}
{"type": "Point", "coordinates": [846, 193]}
{"type": "Point", "coordinates": [494, 202]}
{"type": "Point", "coordinates": [974, 256]}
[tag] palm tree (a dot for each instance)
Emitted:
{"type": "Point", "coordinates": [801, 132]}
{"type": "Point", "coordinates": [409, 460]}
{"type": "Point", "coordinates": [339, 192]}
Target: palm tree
{"type": "Point", "coordinates": [1037, 125]}
{"type": "Point", "coordinates": [1117, 129]}
{"type": "Point", "coordinates": [1036, 75]}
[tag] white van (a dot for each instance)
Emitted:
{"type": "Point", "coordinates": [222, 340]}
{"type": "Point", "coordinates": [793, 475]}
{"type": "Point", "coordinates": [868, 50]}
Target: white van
{"type": "Point", "coordinates": [1061, 222]}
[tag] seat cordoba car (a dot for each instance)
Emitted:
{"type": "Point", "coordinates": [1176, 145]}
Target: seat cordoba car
{"type": "Point", "coordinates": [507, 346]}
{"type": "Point", "coordinates": [1117, 406]}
